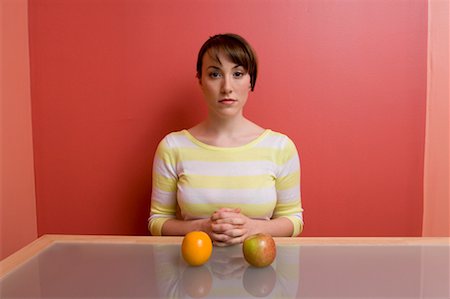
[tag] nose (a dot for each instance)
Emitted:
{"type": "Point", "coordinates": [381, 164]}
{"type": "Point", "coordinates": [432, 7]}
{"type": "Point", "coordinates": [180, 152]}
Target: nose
{"type": "Point", "coordinates": [226, 85]}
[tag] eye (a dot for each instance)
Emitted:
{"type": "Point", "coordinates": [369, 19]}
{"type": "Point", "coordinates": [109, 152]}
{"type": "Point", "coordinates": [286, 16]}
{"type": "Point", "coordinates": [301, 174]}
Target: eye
{"type": "Point", "coordinates": [238, 74]}
{"type": "Point", "coordinates": [214, 75]}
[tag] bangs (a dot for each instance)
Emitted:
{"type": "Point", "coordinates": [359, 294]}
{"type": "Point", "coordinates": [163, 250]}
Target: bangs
{"type": "Point", "coordinates": [235, 53]}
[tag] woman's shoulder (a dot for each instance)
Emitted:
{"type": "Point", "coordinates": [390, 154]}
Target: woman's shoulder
{"type": "Point", "coordinates": [277, 136]}
{"type": "Point", "coordinates": [174, 134]}
{"type": "Point", "coordinates": [277, 141]}
{"type": "Point", "coordinates": [174, 138]}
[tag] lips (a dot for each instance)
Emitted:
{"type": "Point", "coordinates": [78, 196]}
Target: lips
{"type": "Point", "coordinates": [227, 101]}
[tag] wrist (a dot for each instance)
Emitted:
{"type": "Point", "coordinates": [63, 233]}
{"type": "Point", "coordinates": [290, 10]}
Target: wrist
{"type": "Point", "coordinates": [255, 226]}
{"type": "Point", "coordinates": [203, 225]}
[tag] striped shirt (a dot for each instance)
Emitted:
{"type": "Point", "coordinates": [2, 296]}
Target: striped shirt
{"type": "Point", "coordinates": [192, 179]}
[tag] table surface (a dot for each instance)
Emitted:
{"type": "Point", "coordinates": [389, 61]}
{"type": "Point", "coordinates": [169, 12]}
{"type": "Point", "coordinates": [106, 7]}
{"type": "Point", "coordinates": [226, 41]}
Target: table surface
{"type": "Point", "coordinates": [64, 266]}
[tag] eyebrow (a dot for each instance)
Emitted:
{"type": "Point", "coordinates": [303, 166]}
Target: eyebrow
{"type": "Point", "coordinates": [213, 67]}
{"type": "Point", "coordinates": [218, 68]}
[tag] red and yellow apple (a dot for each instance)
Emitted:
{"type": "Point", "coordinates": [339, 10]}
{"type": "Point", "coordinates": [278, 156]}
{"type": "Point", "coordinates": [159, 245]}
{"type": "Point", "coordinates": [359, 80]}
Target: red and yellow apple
{"type": "Point", "coordinates": [259, 250]}
{"type": "Point", "coordinates": [259, 282]}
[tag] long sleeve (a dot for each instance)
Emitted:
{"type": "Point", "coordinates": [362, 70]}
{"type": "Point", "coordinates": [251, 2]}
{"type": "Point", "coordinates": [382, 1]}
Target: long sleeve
{"type": "Point", "coordinates": [288, 187]}
{"type": "Point", "coordinates": [164, 188]}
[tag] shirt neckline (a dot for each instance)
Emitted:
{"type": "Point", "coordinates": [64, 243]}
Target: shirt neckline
{"type": "Point", "coordinates": [225, 148]}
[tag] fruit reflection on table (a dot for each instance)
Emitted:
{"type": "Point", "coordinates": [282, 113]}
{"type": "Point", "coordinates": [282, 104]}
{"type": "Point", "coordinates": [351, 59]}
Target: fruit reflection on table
{"type": "Point", "coordinates": [228, 266]}
{"type": "Point", "coordinates": [259, 282]}
{"type": "Point", "coordinates": [226, 274]}
{"type": "Point", "coordinates": [196, 281]}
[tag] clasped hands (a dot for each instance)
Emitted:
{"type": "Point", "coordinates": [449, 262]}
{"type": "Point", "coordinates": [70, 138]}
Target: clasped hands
{"type": "Point", "coordinates": [228, 226]}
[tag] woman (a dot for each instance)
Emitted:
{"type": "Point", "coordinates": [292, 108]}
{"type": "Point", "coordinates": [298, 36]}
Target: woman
{"type": "Point", "coordinates": [226, 176]}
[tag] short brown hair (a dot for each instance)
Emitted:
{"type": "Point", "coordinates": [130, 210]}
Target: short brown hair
{"type": "Point", "coordinates": [238, 50]}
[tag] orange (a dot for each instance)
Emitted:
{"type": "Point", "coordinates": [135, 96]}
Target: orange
{"type": "Point", "coordinates": [196, 248]}
{"type": "Point", "coordinates": [197, 281]}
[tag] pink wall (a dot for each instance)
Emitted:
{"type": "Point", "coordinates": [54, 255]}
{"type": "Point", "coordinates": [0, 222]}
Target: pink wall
{"type": "Point", "coordinates": [17, 197]}
{"type": "Point", "coordinates": [345, 79]}
{"type": "Point", "coordinates": [436, 172]}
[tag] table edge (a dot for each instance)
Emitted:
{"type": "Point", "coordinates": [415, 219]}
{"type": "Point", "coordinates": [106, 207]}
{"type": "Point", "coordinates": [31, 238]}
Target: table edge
{"type": "Point", "coordinates": [23, 255]}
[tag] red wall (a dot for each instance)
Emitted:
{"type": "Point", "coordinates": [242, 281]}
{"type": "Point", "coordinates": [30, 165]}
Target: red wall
{"type": "Point", "coordinates": [436, 206]}
{"type": "Point", "coordinates": [345, 79]}
{"type": "Point", "coordinates": [18, 225]}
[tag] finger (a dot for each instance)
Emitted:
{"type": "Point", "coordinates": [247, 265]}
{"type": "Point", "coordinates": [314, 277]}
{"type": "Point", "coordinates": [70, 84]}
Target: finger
{"type": "Point", "coordinates": [234, 233]}
{"type": "Point", "coordinates": [222, 227]}
{"type": "Point", "coordinates": [227, 215]}
{"type": "Point", "coordinates": [216, 215]}
{"type": "Point", "coordinates": [236, 210]}
{"type": "Point", "coordinates": [219, 237]}
{"type": "Point", "coordinates": [225, 212]}
{"type": "Point", "coordinates": [231, 220]}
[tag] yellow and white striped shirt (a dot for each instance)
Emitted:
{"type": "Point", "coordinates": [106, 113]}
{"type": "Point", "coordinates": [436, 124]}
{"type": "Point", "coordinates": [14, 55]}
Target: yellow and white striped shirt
{"type": "Point", "coordinates": [262, 178]}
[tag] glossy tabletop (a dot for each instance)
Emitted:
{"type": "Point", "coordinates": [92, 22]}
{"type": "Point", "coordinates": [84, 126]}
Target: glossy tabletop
{"type": "Point", "coordinates": [57, 266]}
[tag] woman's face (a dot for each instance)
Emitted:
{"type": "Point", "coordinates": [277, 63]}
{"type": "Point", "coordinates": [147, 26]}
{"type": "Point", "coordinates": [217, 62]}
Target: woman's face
{"type": "Point", "coordinates": [225, 86]}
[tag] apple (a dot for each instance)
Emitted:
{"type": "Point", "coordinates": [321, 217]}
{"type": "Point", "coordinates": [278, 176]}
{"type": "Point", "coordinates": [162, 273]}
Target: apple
{"type": "Point", "coordinates": [259, 282]}
{"type": "Point", "coordinates": [259, 250]}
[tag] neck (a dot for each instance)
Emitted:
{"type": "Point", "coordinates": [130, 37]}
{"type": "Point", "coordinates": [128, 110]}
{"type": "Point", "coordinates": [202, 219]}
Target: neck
{"type": "Point", "coordinates": [227, 126]}
{"type": "Point", "coordinates": [234, 131]}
